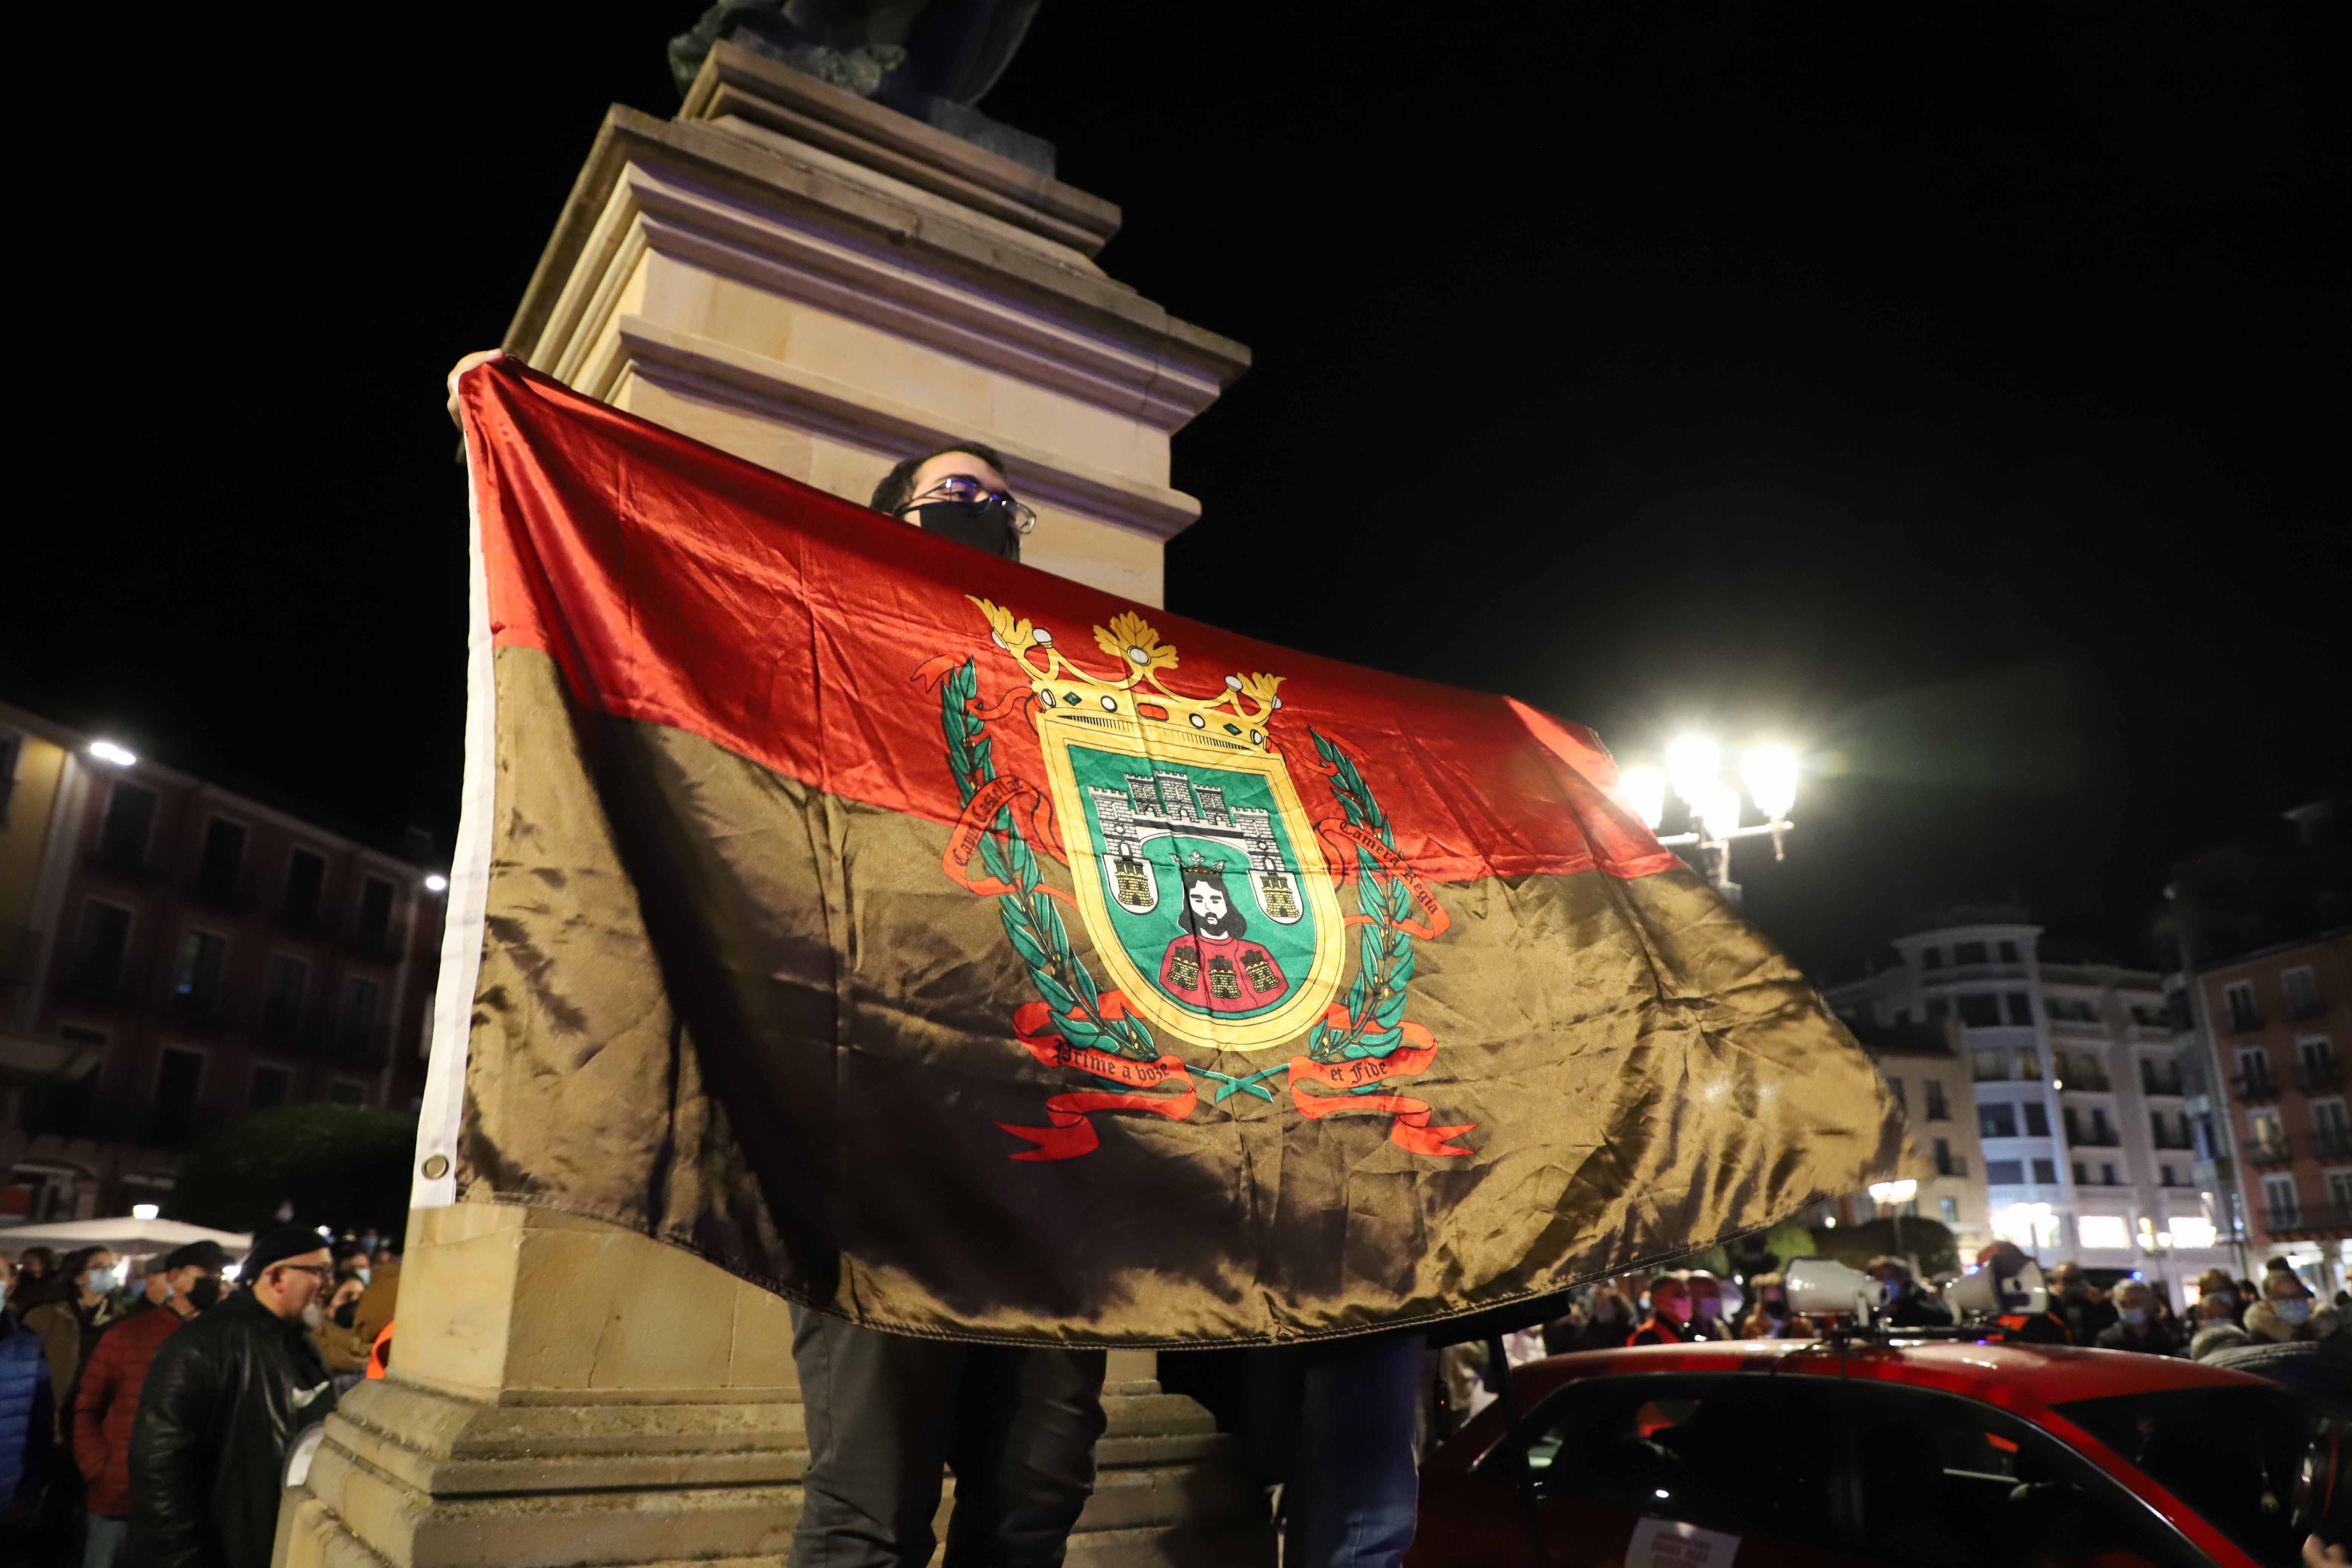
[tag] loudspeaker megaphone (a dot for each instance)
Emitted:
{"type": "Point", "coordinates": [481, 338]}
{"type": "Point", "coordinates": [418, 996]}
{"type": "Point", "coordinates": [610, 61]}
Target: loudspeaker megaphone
{"type": "Point", "coordinates": [1985, 1294]}
{"type": "Point", "coordinates": [1821, 1286]}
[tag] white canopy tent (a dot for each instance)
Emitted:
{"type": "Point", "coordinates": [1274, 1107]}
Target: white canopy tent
{"type": "Point", "coordinates": [125, 1237]}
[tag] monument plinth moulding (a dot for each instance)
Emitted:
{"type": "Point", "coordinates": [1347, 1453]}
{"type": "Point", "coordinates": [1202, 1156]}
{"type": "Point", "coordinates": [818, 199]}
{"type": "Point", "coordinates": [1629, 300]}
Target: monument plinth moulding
{"type": "Point", "coordinates": [820, 285]}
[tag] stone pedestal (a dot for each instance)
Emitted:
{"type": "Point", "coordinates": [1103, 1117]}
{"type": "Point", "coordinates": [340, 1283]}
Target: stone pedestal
{"type": "Point", "coordinates": [820, 286]}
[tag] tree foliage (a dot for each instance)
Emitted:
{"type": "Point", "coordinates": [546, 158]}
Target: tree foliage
{"type": "Point", "coordinates": [339, 1165]}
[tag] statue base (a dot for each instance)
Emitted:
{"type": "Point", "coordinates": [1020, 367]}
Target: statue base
{"type": "Point", "coordinates": [815, 283]}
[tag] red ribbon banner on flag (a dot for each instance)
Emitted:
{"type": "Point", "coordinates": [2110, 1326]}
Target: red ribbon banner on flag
{"type": "Point", "coordinates": [1411, 1130]}
{"type": "Point", "coordinates": [1071, 1133]}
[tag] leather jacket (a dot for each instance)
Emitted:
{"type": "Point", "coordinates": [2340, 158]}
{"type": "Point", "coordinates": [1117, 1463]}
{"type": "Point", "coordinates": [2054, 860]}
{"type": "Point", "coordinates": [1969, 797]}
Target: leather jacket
{"type": "Point", "coordinates": [224, 1400]}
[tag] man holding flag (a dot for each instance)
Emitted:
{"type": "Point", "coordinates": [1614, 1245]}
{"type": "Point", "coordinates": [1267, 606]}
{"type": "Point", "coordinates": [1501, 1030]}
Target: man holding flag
{"type": "Point", "coordinates": [840, 884]}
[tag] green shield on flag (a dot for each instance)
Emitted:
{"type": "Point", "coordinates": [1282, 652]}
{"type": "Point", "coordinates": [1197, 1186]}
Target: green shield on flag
{"type": "Point", "coordinates": [1199, 877]}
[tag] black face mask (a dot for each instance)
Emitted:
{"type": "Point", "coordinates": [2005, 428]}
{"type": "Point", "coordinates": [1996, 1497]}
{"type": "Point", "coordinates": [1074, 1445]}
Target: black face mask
{"type": "Point", "coordinates": [983, 525]}
{"type": "Point", "coordinates": [204, 1291]}
{"type": "Point", "coordinates": [1775, 1309]}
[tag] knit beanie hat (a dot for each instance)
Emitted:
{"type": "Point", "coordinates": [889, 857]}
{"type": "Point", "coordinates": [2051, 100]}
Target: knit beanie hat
{"type": "Point", "coordinates": [277, 1244]}
{"type": "Point", "coordinates": [204, 1254]}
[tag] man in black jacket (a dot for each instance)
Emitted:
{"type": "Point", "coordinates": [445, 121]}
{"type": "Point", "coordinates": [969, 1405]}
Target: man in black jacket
{"type": "Point", "coordinates": [225, 1397]}
{"type": "Point", "coordinates": [1903, 1305]}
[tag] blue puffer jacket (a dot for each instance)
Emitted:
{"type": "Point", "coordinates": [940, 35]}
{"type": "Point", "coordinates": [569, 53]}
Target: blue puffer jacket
{"type": "Point", "coordinates": [24, 1405]}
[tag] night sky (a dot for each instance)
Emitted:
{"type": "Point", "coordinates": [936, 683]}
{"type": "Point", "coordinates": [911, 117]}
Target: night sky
{"type": "Point", "coordinates": [1955, 391]}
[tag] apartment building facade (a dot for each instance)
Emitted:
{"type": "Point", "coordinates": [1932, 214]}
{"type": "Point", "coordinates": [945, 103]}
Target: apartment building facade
{"type": "Point", "coordinates": [1927, 1068]}
{"type": "Point", "coordinates": [2281, 1020]}
{"type": "Point", "coordinates": [173, 955]}
{"type": "Point", "coordinates": [2088, 1149]}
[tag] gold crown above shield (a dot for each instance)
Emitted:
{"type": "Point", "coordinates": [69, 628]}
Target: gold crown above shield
{"type": "Point", "coordinates": [1238, 716]}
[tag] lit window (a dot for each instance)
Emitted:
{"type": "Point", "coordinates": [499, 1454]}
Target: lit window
{"type": "Point", "coordinates": [2194, 1232]}
{"type": "Point", "coordinates": [2104, 1231]}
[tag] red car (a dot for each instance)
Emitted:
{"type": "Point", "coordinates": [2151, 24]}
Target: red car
{"type": "Point", "coordinates": [1927, 1455]}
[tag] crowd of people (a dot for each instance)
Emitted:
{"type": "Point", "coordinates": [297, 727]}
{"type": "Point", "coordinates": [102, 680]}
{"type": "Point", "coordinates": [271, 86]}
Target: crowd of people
{"type": "Point", "coordinates": [1685, 1306]}
{"type": "Point", "coordinates": [147, 1405]}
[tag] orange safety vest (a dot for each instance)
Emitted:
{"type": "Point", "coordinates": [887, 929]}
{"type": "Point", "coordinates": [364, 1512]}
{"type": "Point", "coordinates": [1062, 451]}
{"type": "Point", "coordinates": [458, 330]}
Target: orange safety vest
{"type": "Point", "coordinates": [380, 1353]}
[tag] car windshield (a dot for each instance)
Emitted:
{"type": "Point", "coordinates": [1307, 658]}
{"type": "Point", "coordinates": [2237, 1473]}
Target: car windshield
{"type": "Point", "coordinates": [2231, 1454]}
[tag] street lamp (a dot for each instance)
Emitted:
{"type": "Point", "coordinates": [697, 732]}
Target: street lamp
{"type": "Point", "coordinates": [108, 752]}
{"type": "Point", "coordinates": [437, 883]}
{"type": "Point", "coordinates": [1693, 772]}
{"type": "Point", "coordinates": [1645, 790]}
{"type": "Point", "coordinates": [1895, 1195]}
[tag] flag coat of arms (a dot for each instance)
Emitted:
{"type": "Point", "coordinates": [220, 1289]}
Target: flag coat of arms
{"type": "Point", "coordinates": [965, 952]}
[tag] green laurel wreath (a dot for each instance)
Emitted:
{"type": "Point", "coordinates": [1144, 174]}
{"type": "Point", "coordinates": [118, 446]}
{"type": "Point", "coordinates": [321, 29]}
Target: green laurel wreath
{"type": "Point", "coordinates": [1034, 924]}
{"type": "Point", "coordinates": [1030, 917]}
{"type": "Point", "coordinates": [1384, 967]}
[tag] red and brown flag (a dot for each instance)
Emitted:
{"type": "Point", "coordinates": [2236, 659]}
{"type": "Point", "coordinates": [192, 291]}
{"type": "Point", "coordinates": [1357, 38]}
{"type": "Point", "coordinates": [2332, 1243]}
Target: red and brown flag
{"type": "Point", "coordinates": [964, 951]}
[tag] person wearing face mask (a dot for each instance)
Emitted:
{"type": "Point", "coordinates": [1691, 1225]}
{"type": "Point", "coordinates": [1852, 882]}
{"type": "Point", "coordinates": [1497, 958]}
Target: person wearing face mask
{"type": "Point", "coordinates": [958, 492]}
{"type": "Point", "coordinates": [78, 1308]}
{"type": "Point", "coordinates": [1707, 1305]}
{"type": "Point", "coordinates": [888, 1412]}
{"type": "Point", "coordinates": [2287, 1312]}
{"type": "Point", "coordinates": [1772, 1317]}
{"type": "Point", "coordinates": [1670, 1313]}
{"type": "Point", "coordinates": [2086, 1309]}
{"type": "Point", "coordinates": [106, 1402]}
{"type": "Point", "coordinates": [224, 1399]}
{"type": "Point", "coordinates": [2217, 1298]}
{"type": "Point", "coordinates": [2137, 1326]}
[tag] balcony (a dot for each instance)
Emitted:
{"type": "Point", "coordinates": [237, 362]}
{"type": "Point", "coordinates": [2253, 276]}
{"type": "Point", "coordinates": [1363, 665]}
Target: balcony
{"type": "Point", "coordinates": [1951, 1165]}
{"type": "Point", "coordinates": [217, 893]}
{"type": "Point", "coordinates": [2093, 1137]}
{"type": "Point", "coordinates": [2172, 1141]}
{"type": "Point", "coordinates": [382, 946]}
{"type": "Point", "coordinates": [2088, 1083]}
{"type": "Point", "coordinates": [2316, 1222]}
{"type": "Point", "coordinates": [355, 1043]}
{"type": "Point", "coordinates": [2332, 1142]}
{"type": "Point", "coordinates": [196, 1010]}
{"type": "Point", "coordinates": [281, 1024]}
{"type": "Point", "coordinates": [2158, 1083]}
{"type": "Point", "coordinates": [2254, 1087]}
{"type": "Point", "coordinates": [1977, 972]}
{"type": "Point", "coordinates": [2320, 1074]}
{"type": "Point", "coordinates": [97, 983]}
{"type": "Point", "coordinates": [2268, 1151]}
{"type": "Point", "coordinates": [296, 920]}
{"type": "Point", "coordinates": [130, 866]}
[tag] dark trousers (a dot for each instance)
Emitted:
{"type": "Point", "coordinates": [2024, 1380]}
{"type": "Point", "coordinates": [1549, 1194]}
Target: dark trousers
{"type": "Point", "coordinates": [885, 1414]}
{"type": "Point", "coordinates": [1355, 1486]}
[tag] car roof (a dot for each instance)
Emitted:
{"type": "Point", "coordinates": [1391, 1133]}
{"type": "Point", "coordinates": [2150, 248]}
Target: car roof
{"type": "Point", "coordinates": [2006, 1373]}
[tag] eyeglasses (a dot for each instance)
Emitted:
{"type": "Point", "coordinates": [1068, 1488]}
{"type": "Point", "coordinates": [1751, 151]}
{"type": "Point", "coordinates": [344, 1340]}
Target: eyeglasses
{"type": "Point", "coordinates": [322, 1272]}
{"type": "Point", "coordinates": [964, 490]}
